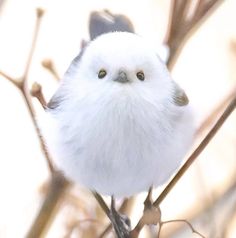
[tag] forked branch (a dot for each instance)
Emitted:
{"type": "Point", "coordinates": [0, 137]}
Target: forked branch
{"type": "Point", "coordinates": [184, 19]}
{"type": "Point", "coordinates": [22, 85]}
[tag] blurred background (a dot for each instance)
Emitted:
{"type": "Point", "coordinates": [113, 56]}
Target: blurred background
{"type": "Point", "coordinates": [205, 68]}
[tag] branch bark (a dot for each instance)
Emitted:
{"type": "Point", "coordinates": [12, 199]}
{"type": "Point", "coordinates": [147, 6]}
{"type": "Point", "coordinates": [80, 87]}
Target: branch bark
{"type": "Point", "coordinates": [50, 205]}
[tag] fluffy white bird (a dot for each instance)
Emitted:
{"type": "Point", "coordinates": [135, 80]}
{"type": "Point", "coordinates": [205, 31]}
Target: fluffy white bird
{"type": "Point", "coordinates": [118, 123]}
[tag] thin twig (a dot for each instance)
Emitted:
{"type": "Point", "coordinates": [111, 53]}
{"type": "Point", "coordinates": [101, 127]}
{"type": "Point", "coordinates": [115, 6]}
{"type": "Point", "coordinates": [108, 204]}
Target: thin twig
{"type": "Point", "coordinates": [181, 28]}
{"type": "Point", "coordinates": [36, 91]}
{"type": "Point", "coordinates": [27, 99]}
{"type": "Point", "coordinates": [101, 202]}
{"type": "Point", "coordinates": [39, 13]}
{"type": "Point", "coordinates": [15, 82]}
{"type": "Point", "coordinates": [22, 85]}
{"type": "Point", "coordinates": [59, 183]}
{"type": "Point", "coordinates": [181, 220]}
{"type": "Point", "coordinates": [203, 9]}
{"type": "Point", "coordinates": [50, 205]}
{"type": "Point", "coordinates": [49, 65]}
{"type": "Point", "coordinates": [26, 93]}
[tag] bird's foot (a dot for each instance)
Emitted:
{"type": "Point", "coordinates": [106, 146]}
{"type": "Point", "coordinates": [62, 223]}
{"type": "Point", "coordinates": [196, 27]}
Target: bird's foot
{"type": "Point", "coordinates": [121, 223]}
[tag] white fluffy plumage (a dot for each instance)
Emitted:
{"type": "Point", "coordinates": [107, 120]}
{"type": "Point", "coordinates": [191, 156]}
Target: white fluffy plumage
{"type": "Point", "coordinates": [118, 138]}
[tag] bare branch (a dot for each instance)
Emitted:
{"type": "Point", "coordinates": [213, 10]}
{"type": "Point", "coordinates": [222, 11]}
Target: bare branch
{"type": "Point", "coordinates": [23, 87]}
{"type": "Point", "coordinates": [39, 14]}
{"type": "Point", "coordinates": [182, 220]}
{"type": "Point", "coordinates": [101, 202]}
{"type": "Point", "coordinates": [36, 91]}
{"type": "Point", "coordinates": [49, 65]}
{"type": "Point", "coordinates": [15, 82]}
{"type": "Point", "coordinates": [59, 183]}
{"type": "Point", "coordinates": [50, 205]}
{"type": "Point", "coordinates": [181, 28]}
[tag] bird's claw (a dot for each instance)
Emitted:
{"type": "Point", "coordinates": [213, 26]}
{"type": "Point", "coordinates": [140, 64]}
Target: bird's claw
{"type": "Point", "coordinates": [121, 224]}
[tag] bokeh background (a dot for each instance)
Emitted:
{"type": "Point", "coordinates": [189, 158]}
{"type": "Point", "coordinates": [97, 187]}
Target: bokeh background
{"type": "Point", "coordinates": [206, 69]}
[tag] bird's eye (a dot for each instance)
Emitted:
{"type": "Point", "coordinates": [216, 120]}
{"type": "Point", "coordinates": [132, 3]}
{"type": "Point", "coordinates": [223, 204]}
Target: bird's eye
{"type": "Point", "coordinates": [102, 73]}
{"type": "Point", "coordinates": [140, 75]}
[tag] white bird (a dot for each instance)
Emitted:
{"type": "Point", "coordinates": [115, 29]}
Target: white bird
{"type": "Point", "coordinates": [118, 124]}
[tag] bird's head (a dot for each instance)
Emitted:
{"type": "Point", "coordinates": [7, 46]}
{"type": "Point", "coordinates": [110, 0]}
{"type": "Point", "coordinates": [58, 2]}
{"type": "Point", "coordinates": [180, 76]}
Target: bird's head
{"type": "Point", "coordinates": [121, 61]}
{"type": "Point", "coordinates": [120, 58]}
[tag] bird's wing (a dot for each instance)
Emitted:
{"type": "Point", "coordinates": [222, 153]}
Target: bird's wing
{"type": "Point", "coordinates": [58, 96]}
{"type": "Point", "coordinates": [179, 96]}
{"type": "Point", "coordinates": [54, 101]}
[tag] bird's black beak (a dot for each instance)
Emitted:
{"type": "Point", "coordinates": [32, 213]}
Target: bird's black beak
{"type": "Point", "coordinates": [121, 77]}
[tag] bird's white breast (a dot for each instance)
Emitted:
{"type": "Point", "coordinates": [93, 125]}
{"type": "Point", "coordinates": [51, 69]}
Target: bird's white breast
{"type": "Point", "coordinates": [119, 140]}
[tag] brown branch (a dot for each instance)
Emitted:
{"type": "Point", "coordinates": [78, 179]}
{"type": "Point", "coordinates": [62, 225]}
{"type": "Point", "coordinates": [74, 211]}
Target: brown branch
{"type": "Point", "coordinates": [49, 65]}
{"type": "Point", "coordinates": [39, 14]}
{"type": "Point", "coordinates": [26, 93]}
{"type": "Point", "coordinates": [181, 27]}
{"type": "Point", "coordinates": [36, 91]}
{"type": "Point", "coordinates": [181, 220]}
{"type": "Point", "coordinates": [22, 85]}
{"type": "Point", "coordinates": [49, 207]}
{"type": "Point", "coordinates": [59, 183]}
{"type": "Point", "coordinates": [15, 82]}
{"type": "Point", "coordinates": [203, 8]}
{"type": "Point", "coordinates": [27, 99]}
{"type": "Point", "coordinates": [101, 202]}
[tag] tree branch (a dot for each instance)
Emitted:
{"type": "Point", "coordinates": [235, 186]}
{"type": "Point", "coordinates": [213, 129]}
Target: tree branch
{"type": "Point", "coordinates": [181, 27]}
{"type": "Point", "coordinates": [22, 85]}
{"type": "Point", "coordinates": [39, 14]}
{"type": "Point", "coordinates": [36, 91]}
{"type": "Point", "coordinates": [50, 205]}
{"type": "Point", "coordinates": [49, 65]}
{"type": "Point", "coordinates": [15, 82]}
{"type": "Point", "coordinates": [59, 183]}
{"type": "Point", "coordinates": [182, 220]}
